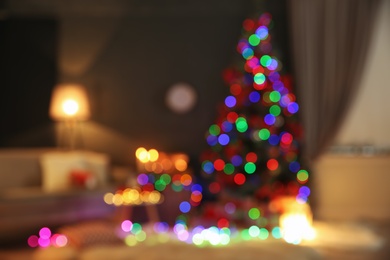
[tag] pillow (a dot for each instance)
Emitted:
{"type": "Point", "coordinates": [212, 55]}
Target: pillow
{"type": "Point", "coordinates": [62, 170]}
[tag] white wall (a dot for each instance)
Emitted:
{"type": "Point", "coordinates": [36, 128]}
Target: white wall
{"type": "Point", "coordinates": [368, 121]}
{"type": "Point", "coordinates": [352, 187]}
{"type": "Point", "coordinates": [355, 187]}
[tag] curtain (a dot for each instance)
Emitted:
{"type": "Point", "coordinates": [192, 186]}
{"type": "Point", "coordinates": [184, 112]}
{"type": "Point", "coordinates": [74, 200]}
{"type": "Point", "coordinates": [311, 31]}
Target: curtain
{"type": "Point", "coordinates": [330, 40]}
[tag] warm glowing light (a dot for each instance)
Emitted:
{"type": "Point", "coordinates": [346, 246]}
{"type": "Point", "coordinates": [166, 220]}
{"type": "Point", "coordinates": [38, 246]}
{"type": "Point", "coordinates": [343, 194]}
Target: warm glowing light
{"type": "Point", "coordinates": [145, 196]}
{"type": "Point", "coordinates": [139, 151]}
{"type": "Point", "coordinates": [296, 222]}
{"type": "Point", "coordinates": [196, 196]}
{"type": "Point", "coordinates": [117, 200]}
{"type": "Point", "coordinates": [108, 197]}
{"type": "Point", "coordinates": [186, 179]}
{"type": "Point", "coordinates": [181, 165]}
{"type": "Point", "coordinates": [144, 156]}
{"type": "Point", "coordinates": [134, 196]}
{"type": "Point", "coordinates": [154, 197]}
{"type": "Point", "coordinates": [166, 164]}
{"type": "Point", "coordinates": [70, 107]}
{"type": "Point", "coordinates": [69, 101]}
{"type": "Point", "coordinates": [153, 155]}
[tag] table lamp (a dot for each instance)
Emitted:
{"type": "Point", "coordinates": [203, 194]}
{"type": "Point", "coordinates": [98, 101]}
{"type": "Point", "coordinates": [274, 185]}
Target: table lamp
{"type": "Point", "coordinates": [69, 104]}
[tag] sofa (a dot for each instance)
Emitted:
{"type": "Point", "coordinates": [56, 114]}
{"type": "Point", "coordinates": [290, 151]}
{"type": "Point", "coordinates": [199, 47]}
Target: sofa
{"type": "Point", "coordinates": [50, 187]}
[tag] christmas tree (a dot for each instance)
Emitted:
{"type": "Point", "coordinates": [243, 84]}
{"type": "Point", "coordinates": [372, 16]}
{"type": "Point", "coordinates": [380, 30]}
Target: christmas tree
{"type": "Point", "coordinates": [253, 160]}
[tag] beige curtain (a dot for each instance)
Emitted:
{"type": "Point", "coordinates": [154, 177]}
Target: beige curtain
{"type": "Point", "coordinates": [330, 39]}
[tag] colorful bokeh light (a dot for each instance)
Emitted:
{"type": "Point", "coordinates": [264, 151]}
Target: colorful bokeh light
{"type": "Point", "coordinates": [47, 239]}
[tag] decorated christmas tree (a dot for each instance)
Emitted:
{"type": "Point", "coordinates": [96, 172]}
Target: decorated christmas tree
{"type": "Point", "coordinates": [251, 173]}
{"type": "Point", "coordinates": [253, 161]}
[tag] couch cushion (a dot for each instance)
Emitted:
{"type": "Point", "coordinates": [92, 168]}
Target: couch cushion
{"type": "Point", "coordinates": [25, 210]}
{"type": "Point", "coordinates": [20, 167]}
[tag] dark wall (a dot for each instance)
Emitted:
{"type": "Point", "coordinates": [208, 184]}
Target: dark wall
{"type": "Point", "coordinates": [28, 49]}
{"type": "Point", "coordinates": [150, 53]}
{"type": "Point", "coordinates": [147, 56]}
{"type": "Point", "coordinates": [152, 47]}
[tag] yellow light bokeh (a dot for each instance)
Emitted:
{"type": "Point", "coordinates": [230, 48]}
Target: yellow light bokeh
{"type": "Point", "coordinates": [160, 162]}
{"type": "Point", "coordinates": [108, 197]}
{"type": "Point", "coordinates": [144, 156]}
{"type": "Point", "coordinates": [117, 199]}
{"type": "Point", "coordinates": [133, 196]}
{"type": "Point", "coordinates": [145, 196]}
{"type": "Point", "coordinates": [139, 151]}
{"type": "Point", "coordinates": [154, 197]}
{"type": "Point", "coordinates": [130, 240]}
{"type": "Point", "coordinates": [153, 155]}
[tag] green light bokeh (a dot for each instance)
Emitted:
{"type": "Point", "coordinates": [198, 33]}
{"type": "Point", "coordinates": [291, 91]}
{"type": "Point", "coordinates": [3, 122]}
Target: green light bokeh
{"type": "Point", "coordinates": [254, 213]}
{"type": "Point", "coordinates": [229, 168]}
{"type": "Point", "coordinates": [275, 110]}
{"type": "Point", "coordinates": [265, 60]}
{"type": "Point", "coordinates": [241, 125]}
{"type": "Point", "coordinates": [264, 134]}
{"type": "Point", "coordinates": [302, 175]}
{"type": "Point", "coordinates": [214, 130]}
{"type": "Point", "coordinates": [274, 96]}
{"type": "Point", "coordinates": [250, 167]}
{"type": "Point", "coordinates": [254, 40]}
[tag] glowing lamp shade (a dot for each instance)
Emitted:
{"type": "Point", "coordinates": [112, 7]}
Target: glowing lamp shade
{"type": "Point", "coordinates": [69, 101]}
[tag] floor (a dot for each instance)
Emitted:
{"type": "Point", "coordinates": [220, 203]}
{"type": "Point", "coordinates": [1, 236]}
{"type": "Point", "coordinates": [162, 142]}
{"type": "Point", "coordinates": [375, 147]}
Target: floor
{"type": "Point", "coordinates": [320, 251]}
